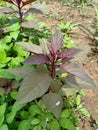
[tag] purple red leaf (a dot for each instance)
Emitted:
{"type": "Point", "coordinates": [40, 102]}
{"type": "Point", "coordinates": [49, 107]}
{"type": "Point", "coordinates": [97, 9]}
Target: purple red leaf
{"type": "Point", "coordinates": [57, 41]}
{"type": "Point", "coordinates": [37, 59]}
{"type": "Point", "coordinates": [76, 70]}
{"type": "Point", "coordinates": [28, 2]}
{"type": "Point", "coordinates": [68, 53]}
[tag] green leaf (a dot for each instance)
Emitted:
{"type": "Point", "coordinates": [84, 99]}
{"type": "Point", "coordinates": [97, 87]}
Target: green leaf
{"type": "Point", "coordinates": [24, 114]}
{"type": "Point", "coordinates": [34, 110]}
{"type": "Point", "coordinates": [54, 103]}
{"type": "Point", "coordinates": [34, 85]}
{"type": "Point", "coordinates": [20, 51]}
{"type": "Point", "coordinates": [1, 120]}
{"type": "Point", "coordinates": [2, 55]}
{"type": "Point", "coordinates": [85, 112]}
{"type": "Point", "coordinates": [35, 121]}
{"type": "Point", "coordinates": [15, 108]}
{"type": "Point", "coordinates": [55, 125]}
{"type": "Point", "coordinates": [13, 27]}
{"type": "Point", "coordinates": [66, 113]}
{"type": "Point", "coordinates": [14, 94]}
{"type": "Point", "coordinates": [37, 128]}
{"type": "Point", "coordinates": [10, 117]}
{"type": "Point", "coordinates": [2, 109]}
{"type": "Point", "coordinates": [7, 39]}
{"type": "Point", "coordinates": [15, 62]}
{"type": "Point", "coordinates": [24, 125]}
{"type": "Point", "coordinates": [5, 74]}
{"type": "Point", "coordinates": [4, 127]}
{"type": "Point", "coordinates": [67, 124]}
{"type": "Point", "coordinates": [78, 100]}
{"type": "Point", "coordinates": [14, 34]}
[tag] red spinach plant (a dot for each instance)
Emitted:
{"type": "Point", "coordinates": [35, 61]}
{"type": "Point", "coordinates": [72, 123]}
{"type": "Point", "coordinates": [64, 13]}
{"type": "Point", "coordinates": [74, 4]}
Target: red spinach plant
{"type": "Point", "coordinates": [19, 4]}
{"type": "Point", "coordinates": [48, 80]}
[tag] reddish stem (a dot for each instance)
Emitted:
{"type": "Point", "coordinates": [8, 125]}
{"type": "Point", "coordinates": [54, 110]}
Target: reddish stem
{"type": "Point", "coordinates": [20, 14]}
{"type": "Point", "coordinates": [52, 69]}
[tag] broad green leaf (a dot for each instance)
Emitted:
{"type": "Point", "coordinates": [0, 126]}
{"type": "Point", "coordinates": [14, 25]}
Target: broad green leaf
{"type": "Point", "coordinates": [82, 54]}
{"type": "Point", "coordinates": [4, 127]}
{"type": "Point", "coordinates": [2, 55]}
{"type": "Point", "coordinates": [20, 51]}
{"type": "Point", "coordinates": [34, 85]}
{"type": "Point", "coordinates": [55, 125]}
{"type": "Point", "coordinates": [5, 74]}
{"type": "Point", "coordinates": [29, 47]}
{"type": "Point", "coordinates": [7, 39]}
{"type": "Point", "coordinates": [24, 125]}
{"type": "Point", "coordinates": [15, 108]}
{"type": "Point", "coordinates": [78, 100]}
{"type": "Point", "coordinates": [34, 110]}
{"type": "Point", "coordinates": [2, 109]}
{"type": "Point", "coordinates": [85, 112]}
{"type": "Point", "coordinates": [67, 124]}
{"type": "Point", "coordinates": [24, 115]}
{"type": "Point", "coordinates": [54, 103]}
{"type": "Point", "coordinates": [13, 27]}
{"type": "Point", "coordinates": [15, 62]}
{"type": "Point", "coordinates": [1, 120]}
{"type": "Point", "coordinates": [37, 127]}
{"type": "Point", "coordinates": [10, 117]}
{"type": "Point", "coordinates": [35, 121]}
{"type": "Point", "coordinates": [66, 113]}
{"type": "Point", "coordinates": [14, 94]}
{"type": "Point", "coordinates": [14, 34]}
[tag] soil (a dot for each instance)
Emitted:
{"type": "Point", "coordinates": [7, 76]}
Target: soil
{"type": "Point", "coordinates": [86, 17]}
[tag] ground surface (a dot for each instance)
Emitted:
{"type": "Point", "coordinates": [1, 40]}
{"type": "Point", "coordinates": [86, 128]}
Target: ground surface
{"type": "Point", "coordinates": [90, 64]}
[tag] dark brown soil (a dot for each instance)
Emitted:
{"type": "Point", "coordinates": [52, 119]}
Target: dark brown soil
{"type": "Point", "coordinates": [90, 64]}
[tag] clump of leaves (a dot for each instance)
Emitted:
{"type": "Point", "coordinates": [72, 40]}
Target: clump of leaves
{"type": "Point", "coordinates": [32, 116]}
{"type": "Point", "coordinates": [20, 4]}
{"type": "Point", "coordinates": [55, 72]}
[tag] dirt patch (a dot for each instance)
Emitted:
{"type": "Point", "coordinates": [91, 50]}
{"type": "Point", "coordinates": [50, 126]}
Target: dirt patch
{"type": "Point", "coordinates": [90, 64]}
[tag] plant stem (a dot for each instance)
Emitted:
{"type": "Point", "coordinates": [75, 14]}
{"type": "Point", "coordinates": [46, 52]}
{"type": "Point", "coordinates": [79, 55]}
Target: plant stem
{"type": "Point", "coordinates": [20, 14]}
{"type": "Point", "coordinates": [52, 69]}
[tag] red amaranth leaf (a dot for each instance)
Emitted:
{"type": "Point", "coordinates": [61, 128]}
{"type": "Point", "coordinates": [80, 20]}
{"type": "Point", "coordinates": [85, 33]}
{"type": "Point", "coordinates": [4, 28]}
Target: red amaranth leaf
{"type": "Point", "coordinates": [37, 59]}
{"type": "Point", "coordinates": [28, 2]}
{"type": "Point", "coordinates": [68, 53]}
{"type": "Point", "coordinates": [57, 41]}
{"type": "Point", "coordinates": [74, 69]}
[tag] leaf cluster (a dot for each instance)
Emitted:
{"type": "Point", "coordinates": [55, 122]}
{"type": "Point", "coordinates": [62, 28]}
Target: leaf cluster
{"type": "Point", "coordinates": [56, 71]}
{"type": "Point", "coordinates": [32, 116]}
